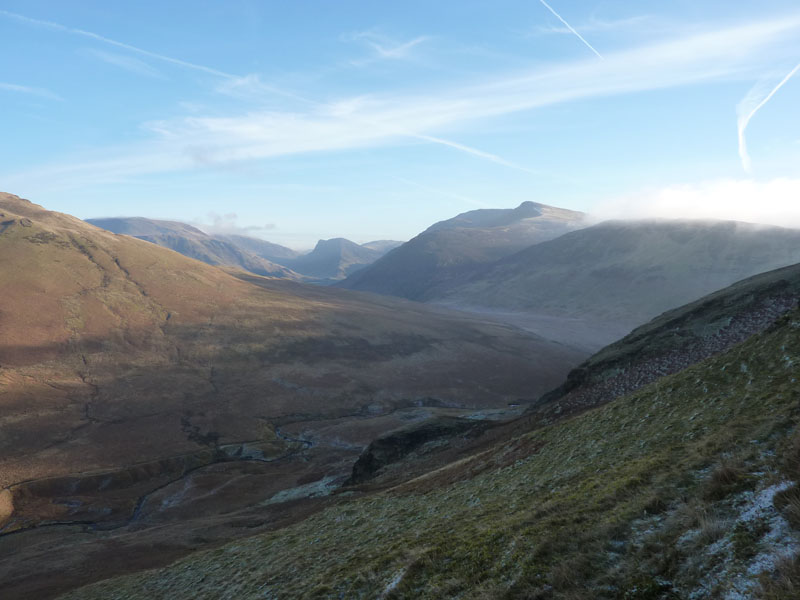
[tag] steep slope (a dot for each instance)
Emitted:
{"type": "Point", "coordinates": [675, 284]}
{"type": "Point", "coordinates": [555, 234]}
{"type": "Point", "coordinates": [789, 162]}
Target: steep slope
{"type": "Point", "coordinates": [451, 248]}
{"type": "Point", "coordinates": [193, 243]}
{"type": "Point", "coordinates": [687, 488]}
{"type": "Point", "coordinates": [150, 394]}
{"type": "Point", "coordinates": [675, 340]}
{"type": "Point", "coordinates": [620, 274]}
{"type": "Point", "coordinates": [267, 250]}
{"type": "Point", "coordinates": [334, 259]}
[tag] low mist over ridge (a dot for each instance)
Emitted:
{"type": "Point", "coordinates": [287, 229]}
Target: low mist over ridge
{"type": "Point", "coordinates": [585, 285]}
{"type": "Point", "coordinates": [624, 273]}
{"type": "Point", "coordinates": [450, 248]}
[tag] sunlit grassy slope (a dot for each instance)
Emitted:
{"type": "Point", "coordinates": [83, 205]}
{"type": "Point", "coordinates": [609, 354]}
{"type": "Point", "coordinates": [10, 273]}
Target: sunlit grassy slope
{"type": "Point", "coordinates": [668, 492]}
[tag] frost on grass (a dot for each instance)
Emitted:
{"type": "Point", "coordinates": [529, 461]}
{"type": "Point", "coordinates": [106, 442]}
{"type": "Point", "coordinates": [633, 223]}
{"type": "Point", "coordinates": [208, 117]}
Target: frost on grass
{"type": "Point", "coordinates": [757, 541]}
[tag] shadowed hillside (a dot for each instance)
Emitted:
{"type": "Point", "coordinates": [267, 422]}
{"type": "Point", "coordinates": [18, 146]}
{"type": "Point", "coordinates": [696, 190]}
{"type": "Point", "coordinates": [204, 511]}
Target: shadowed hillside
{"type": "Point", "coordinates": [142, 390]}
{"type": "Point", "coordinates": [272, 252]}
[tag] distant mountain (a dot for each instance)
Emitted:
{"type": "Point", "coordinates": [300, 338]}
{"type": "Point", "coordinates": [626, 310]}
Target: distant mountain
{"type": "Point", "coordinates": [196, 244]}
{"type": "Point", "coordinates": [140, 227]}
{"type": "Point", "coordinates": [155, 404]}
{"type": "Point", "coordinates": [449, 249]}
{"type": "Point", "coordinates": [333, 259]}
{"type": "Point", "coordinates": [272, 252]}
{"type": "Point", "coordinates": [596, 284]}
{"type": "Point", "coordinates": [382, 246]}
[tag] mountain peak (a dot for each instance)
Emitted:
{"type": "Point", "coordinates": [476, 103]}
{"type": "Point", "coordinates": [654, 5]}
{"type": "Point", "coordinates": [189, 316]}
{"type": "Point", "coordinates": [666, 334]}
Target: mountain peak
{"type": "Point", "coordinates": [529, 208]}
{"type": "Point", "coordinates": [334, 244]}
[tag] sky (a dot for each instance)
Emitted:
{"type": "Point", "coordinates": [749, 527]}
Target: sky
{"type": "Point", "coordinates": [298, 121]}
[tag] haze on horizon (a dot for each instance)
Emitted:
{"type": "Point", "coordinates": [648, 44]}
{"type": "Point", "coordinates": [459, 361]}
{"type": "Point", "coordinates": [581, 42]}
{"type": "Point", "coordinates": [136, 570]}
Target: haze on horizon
{"type": "Point", "coordinates": [371, 121]}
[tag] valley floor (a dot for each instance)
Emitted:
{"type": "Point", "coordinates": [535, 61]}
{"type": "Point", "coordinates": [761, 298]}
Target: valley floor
{"type": "Point", "coordinates": [687, 488]}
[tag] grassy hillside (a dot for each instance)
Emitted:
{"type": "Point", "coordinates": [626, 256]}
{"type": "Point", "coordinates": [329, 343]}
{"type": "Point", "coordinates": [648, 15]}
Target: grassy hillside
{"type": "Point", "coordinates": [686, 488]}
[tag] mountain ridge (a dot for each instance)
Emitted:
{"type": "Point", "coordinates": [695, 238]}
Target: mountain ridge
{"type": "Point", "coordinates": [194, 243]}
{"type": "Point", "coordinates": [449, 248]}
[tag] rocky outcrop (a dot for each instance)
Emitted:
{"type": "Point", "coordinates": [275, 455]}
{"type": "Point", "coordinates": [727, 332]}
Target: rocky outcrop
{"type": "Point", "coordinates": [396, 445]}
{"type": "Point", "coordinates": [674, 341]}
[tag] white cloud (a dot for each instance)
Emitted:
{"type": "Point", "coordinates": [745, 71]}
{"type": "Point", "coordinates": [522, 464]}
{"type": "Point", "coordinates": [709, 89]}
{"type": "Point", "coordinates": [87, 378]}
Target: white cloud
{"type": "Point", "coordinates": [25, 89]}
{"type": "Point", "coordinates": [774, 202]}
{"type": "Point", "coordinates": [251, 87]}
{"type": "Point", "coordinates": [372, 120]}
{"type": "Point", "coordinates": [385, 47]}
{"type": "Point", "coordinates": [732, 53]}
{"type": "Point", "coordinates": [228, 224]}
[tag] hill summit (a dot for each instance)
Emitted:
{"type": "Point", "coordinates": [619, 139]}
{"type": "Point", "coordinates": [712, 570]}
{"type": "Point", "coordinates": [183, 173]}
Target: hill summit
{"type": "Point", "coordinates": [449, 249]}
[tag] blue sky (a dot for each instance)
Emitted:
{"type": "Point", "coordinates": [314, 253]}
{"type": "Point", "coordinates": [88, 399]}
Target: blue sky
{"type": "Point", "coordinates": [295, 121]}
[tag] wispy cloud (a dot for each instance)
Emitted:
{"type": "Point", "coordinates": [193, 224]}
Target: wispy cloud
{"type": "Point", "coordinates": [385, 47]}
{"type": "Point", "coordinates": [748, 107]}
{"type": "Point", "coordinates": [251, 87]}
{"type": "Point", "coordinates": [568, 26]}
{"type": "Point", "coordinates": [771, 202]}
{"type": "Point", "coordinates": [725, 54]}
{"type": "Point", "coordinates": [33, 91]}
{"type": "Point", "coordinates": [128, 63]}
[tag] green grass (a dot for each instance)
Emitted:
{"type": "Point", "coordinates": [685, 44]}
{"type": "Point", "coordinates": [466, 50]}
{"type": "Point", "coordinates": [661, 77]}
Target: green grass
{"type": "Point", "coordinates": [598, 511]}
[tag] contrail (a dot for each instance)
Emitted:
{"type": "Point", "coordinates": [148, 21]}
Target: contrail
{"type": "Point", "coordinates": [142, 51]}
{"type": "Point", "coordinates": [580, 37]}
{"type": "Point", "coordinates": [745, 119]}
{"type": "Point", "coordinates": [100, 38]}
{"type": "Point", "coordinates": [474, 151]}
